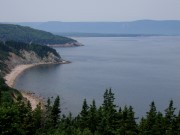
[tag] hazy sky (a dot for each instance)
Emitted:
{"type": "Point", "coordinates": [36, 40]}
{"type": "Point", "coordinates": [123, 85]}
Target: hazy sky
{"type": "Point", "coordinates": [88, 10]}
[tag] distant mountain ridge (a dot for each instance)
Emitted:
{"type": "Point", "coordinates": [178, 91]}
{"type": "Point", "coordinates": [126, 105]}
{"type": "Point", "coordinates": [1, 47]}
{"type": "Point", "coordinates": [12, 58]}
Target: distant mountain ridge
{"type": "Point", "coordinates": [152, 27]}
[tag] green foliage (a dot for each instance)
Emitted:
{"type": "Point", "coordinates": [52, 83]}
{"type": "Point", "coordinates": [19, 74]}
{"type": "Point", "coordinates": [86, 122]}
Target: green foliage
{"type": "Point", "coordinates": [84, 115]}
{"type": "Point", "coordinates": [7, 94]}
{"type": "Point", "coordinates": [93, 117]}
{"type": "Point", "coordinates": [170, 119]}
{"type": "Point", "coordinates": [56, 111]}
{"type": "Point", "coordinates": [4, 53]}
{"type": "Point", "coordinates": [109, 113]}
{"type": "Point", "coordinates": [29, 35]}
{"type": "Point", "coordinates": [17, 118]}
{"type": "Point", "coordinates": [37, 116]}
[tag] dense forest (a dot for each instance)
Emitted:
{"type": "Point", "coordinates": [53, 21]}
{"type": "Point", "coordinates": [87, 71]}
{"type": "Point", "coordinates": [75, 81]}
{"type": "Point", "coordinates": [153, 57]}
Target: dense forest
{"type": "Point", "coordinates": [17, 118]}
{"type": "Point", "coordinates": [30, 35]}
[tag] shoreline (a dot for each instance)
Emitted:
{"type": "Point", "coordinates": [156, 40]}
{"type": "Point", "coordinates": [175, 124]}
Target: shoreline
{"type": "Point", "coordinates": [73, 44]}
{"type": "Point", "coordinates": [15, 72]}
{"type": "Point", "coordinates": [33, 99]}
{"type": "Point", "coordinates": [18, 70]}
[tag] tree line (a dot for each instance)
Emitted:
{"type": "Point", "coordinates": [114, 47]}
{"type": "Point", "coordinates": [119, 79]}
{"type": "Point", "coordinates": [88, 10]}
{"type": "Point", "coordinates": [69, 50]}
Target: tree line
{"type": "Point", "coordinates": [17, 118]}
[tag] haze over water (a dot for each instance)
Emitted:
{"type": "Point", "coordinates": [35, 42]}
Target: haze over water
{"type": "Point", "coordinates": [138, 69]}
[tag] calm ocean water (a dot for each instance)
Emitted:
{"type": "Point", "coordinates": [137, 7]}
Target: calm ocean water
{"type": "Point", "coordinates": [138, 69]}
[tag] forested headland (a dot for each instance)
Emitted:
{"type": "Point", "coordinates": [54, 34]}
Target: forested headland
{"type": "Point", "coordinates": [29, 35]}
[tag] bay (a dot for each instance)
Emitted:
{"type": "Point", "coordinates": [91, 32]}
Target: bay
{"type": "Point", "coordinates": [138, 69]}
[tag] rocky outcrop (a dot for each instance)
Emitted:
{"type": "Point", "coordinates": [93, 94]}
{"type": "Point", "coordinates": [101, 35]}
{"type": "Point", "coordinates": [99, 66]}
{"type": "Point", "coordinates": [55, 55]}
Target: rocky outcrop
{"type": "Point", "coordinates": [30, 57]}
{"type": "Point", "coordinates": [72, 44]}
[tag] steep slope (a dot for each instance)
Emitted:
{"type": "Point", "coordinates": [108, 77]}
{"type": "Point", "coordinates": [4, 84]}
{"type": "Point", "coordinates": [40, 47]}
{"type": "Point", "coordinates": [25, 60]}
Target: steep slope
{"type": "Point", "coordinates": [8, 94]}
{"type": "Point", "coordinates": [17, 53]}
{"type": "Point", "coordinates": [30, 35]}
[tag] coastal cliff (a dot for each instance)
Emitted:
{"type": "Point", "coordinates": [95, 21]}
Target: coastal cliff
{"type": "Point", "coordinates": [13, 54]}
{"type": "Point", "coordinates": [29, 57]}
{"type": "Point", "coordinates": [15, 57]}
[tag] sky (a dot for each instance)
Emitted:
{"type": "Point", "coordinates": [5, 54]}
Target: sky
{"type": "Point", "coordinates": [88, 10]}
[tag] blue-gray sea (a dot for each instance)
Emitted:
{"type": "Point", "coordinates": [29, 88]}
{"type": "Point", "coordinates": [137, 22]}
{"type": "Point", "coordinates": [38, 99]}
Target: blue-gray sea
{"type": "Point", "coordinates": [138, 69]}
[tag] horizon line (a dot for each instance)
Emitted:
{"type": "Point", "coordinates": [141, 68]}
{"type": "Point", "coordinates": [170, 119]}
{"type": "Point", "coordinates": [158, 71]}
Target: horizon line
{"type": "Point", "coordinates": [88, 21]}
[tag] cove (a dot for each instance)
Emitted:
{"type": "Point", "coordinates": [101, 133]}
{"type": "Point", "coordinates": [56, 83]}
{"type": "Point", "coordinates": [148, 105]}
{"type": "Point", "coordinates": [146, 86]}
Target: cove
{"type": "Point", "coordinates": [138, 69]}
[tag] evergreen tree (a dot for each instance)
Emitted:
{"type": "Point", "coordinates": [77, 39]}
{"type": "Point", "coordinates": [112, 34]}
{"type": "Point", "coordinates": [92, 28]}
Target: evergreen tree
{"type": "Point", "coordinates": [55, 112]}
{"type": "Point", "coordinates": [16, 119]}
{"type": "Point", "coordinates": [131, 123]}
{"type": "Point", "coordinates": [122, 121]}
{"type": "Point", "coordinates": [47, 121]}
{"type": "Point", "coordinates": [178, 123]}
{"type": "Point", "coordinates": [66, 125]}
{"type": "Point", "coordinates": [92, 117]}
{"type": "Point", "coordinates": [142, 126]}
{"type": "Point", "coordinates": [151, 119]}
{"type": "Point", "coordinates": [170, 128]}
{"type": "Point", "coordinates": [159, 126]}
{"type": "Point", "coordinates": [37, 117]}
{"type": "Point", "coordinates": [100, 117]}
{"type": "Point", "coordinates": [26, 118]}
{"type": "Point", "coordinates": [108, 103]}
{"type": "Point", "coordinates": [148, 125]}
{"type": "Point", "coordinates": [84, 115]}
{"type": "Point", "coordinates": [126, 122]}
{"type": "Point", "coordinates": [109, 113]}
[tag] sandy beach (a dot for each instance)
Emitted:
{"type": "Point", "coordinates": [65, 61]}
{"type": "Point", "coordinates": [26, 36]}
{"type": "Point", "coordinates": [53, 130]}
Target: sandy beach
{"type": "Point", "coordinates": [11, 77]}
{"type": "Point", "coordinates": [33, 99]}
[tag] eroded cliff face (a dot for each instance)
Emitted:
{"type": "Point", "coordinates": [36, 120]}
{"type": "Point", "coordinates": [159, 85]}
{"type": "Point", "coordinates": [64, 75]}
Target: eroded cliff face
{"type": "Point", "coordinates": [29, 57]}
